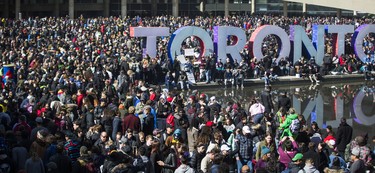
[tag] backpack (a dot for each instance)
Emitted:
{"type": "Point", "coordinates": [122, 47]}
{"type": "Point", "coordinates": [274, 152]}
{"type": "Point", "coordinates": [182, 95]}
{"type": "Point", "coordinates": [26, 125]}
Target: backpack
{"type": "Point", "coordinates": [295, 126]}
{"type": "Point", "coordinates": [347, 152]}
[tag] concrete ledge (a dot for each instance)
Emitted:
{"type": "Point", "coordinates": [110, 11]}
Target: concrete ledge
{"type": "Point", "coordinates": [288, 80]}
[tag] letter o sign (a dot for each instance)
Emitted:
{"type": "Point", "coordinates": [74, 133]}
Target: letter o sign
{"type": "Point", "coordinates": [178, 37]}
{"type": "Point", "coordinates": [262, 32]}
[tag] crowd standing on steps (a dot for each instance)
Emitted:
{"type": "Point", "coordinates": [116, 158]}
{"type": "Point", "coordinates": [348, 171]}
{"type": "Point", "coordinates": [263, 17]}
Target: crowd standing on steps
{"type": "Point", "coordinates": [83, 98]}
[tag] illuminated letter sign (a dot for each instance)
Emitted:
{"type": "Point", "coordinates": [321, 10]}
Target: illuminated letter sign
{"type": "Point", "coordinates": [357, 107]}
{"type": "Point", "coordinates": [151, 33]}
{"type": "Point", "coordinates": [339, 32]}
{"type": "Point", "coordinates": [300, 38]}
{"type": "Point", "coordinates": [178, 37]}
{"type": "Point", "coordinates": [262, 32]}
{"type": "Point", "coordinates": [221, 34]}
{"type": "Point", "coordinates": [357, 39]}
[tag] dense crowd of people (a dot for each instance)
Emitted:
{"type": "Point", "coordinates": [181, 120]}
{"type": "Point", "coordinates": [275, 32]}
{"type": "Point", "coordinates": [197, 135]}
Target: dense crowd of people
{"type": "Point", "coordinates": [84, 98]}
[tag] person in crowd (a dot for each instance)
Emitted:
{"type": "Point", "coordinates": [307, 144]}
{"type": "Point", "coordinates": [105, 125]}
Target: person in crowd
{"type": "Point", "coordinates": [286, 154]}
{"type": "Point", "coordinates": [39, 126]}
{"type": "Point", "coordinates": [359, 142]}
{"type": "Point", "coordinates": [269, 143]}
{"type": "Point", "coordinates": [284, 101]}
{"type": "Point", "coordinates": [130, 121]}
{"type": "Point", "coordinates": [266, 100]}
{"type": "Point", "coordinates": [256, 110]}
{"type": "Point", "coordinates": [245, 148]}
{"type": "Point", "coordinates": [358, 165]}
{"type": "Point", "coordinates": [169, 164]}
{"type": "Point", "coordinates": [63, 162]}
{"type": "Point", "coordinates": [263, 161]}
{"type": "Point", "coordinates": [343, 136]}
{"type": "Point", "coordinates": [335, 167]}
{"type": "Point", "coordinates": [323, 156]}
{"type": "Point", "coordinates": [197, 156]}
{"type": "Point", "coordinates": [71, 146]}
{"type": "Point", "coordinates": [334, 155]}
{"type": "Point", "coordinates": [309, 166]}
{"type": "Point", "coordinates": [34, 164]}
{"type": "Point", "coordinates": [311, 153]}
{"type": "Point", "coordinates": [19, 156]}
{"type": "Point", "coordinates": [40, 145]}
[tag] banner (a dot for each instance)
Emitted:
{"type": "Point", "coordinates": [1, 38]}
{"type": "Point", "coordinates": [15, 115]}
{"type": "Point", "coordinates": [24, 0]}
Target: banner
{"type": "Point", "coordinates": [189, 52]}
{"type": "Point", "coordinates": [189, 74]}
{"type": "Point", "coordinates": [8, 73]}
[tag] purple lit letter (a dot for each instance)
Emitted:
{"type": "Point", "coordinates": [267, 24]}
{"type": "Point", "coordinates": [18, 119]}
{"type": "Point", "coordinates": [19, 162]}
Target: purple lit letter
{"type": "Point", "coordinates": [357, 40]}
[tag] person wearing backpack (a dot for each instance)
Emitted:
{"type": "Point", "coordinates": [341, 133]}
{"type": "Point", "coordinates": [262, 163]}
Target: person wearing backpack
{"type": "Point", "coordinates": [287, 124]}
{"type": "Point", "coordinates": [84, 163]}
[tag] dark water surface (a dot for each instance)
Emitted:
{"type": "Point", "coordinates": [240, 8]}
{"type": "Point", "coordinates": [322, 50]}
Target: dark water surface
{"type": "Point", "coordinates": [325, 104]}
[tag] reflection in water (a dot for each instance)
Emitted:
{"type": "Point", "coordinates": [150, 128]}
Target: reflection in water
{"type": "Point", "coordinates": [325, 104]}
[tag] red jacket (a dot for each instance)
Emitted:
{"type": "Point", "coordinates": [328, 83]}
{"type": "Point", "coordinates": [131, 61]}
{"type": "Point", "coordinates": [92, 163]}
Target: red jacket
{"type": "Point", "coordinates": [80, 100]}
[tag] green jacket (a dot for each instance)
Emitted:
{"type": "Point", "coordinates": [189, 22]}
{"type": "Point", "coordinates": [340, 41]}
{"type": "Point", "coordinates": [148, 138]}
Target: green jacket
{"type": "Point", "coordinates": [286, 124]}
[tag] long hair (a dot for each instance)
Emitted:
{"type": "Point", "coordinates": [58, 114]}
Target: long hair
{"type": "Point", "coordinates": [34, 156]}
{"type": "Point", "coordinates": [205, 135]}
{"type": "Point", "coordinates": [155, 146]}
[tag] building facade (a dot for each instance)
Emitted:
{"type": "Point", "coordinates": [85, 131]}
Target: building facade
{"type": "Point", "coordinates": [95, 8]}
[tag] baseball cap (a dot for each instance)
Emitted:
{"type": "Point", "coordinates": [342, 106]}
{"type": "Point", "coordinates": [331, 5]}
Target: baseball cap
{"type": "Point", "coordinates": [210, 148]}
{"type": "Point", "coordinates": [246, 129]}
{"type": "Point", "coordinates": [356, 151]}
{"type": "Point", "coordinates": [224, 148]}
{"type": "Point", "coordinates": [298, 156]}
{"type": "Point", "coordinates": [156, 131]}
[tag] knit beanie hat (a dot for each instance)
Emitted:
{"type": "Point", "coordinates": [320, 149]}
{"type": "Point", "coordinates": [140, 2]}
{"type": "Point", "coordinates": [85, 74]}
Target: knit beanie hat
{"type": "Point", "coordinates": [265, 150]}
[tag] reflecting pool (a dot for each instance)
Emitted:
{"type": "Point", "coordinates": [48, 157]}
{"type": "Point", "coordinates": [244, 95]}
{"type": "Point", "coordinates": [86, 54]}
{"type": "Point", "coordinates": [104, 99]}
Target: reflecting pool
{"type": "Point", "coordinates": [325, 104]}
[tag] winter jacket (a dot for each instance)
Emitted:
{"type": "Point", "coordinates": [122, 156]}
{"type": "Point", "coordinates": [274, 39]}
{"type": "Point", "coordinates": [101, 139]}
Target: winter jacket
{"type": "Point", "coordinates": [84, 164]}
{"type": "Point", "coordinates": [272, 148]}
{"type": "Point", "coordinates": [64, 164]}
{"type": "Point", "coordinates": [286, 124]}
{"type": "Point", "coordinates": [196, 159]}
{"type": "Point", "coordinates": [285, 156]}
{"type": "Point", "coordinates": [192, 137]}
{"type": "Point", "coordinates": [170, 163]}
{"type": "Point", "coordinates": [344, 135]}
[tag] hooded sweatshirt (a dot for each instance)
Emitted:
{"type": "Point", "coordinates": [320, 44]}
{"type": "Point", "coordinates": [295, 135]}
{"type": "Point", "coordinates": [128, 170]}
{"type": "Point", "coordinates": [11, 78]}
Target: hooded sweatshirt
{"type": "Point", "coordinates": [309, 168]}
{"type": "Point", "coordinates": [184, 169]}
